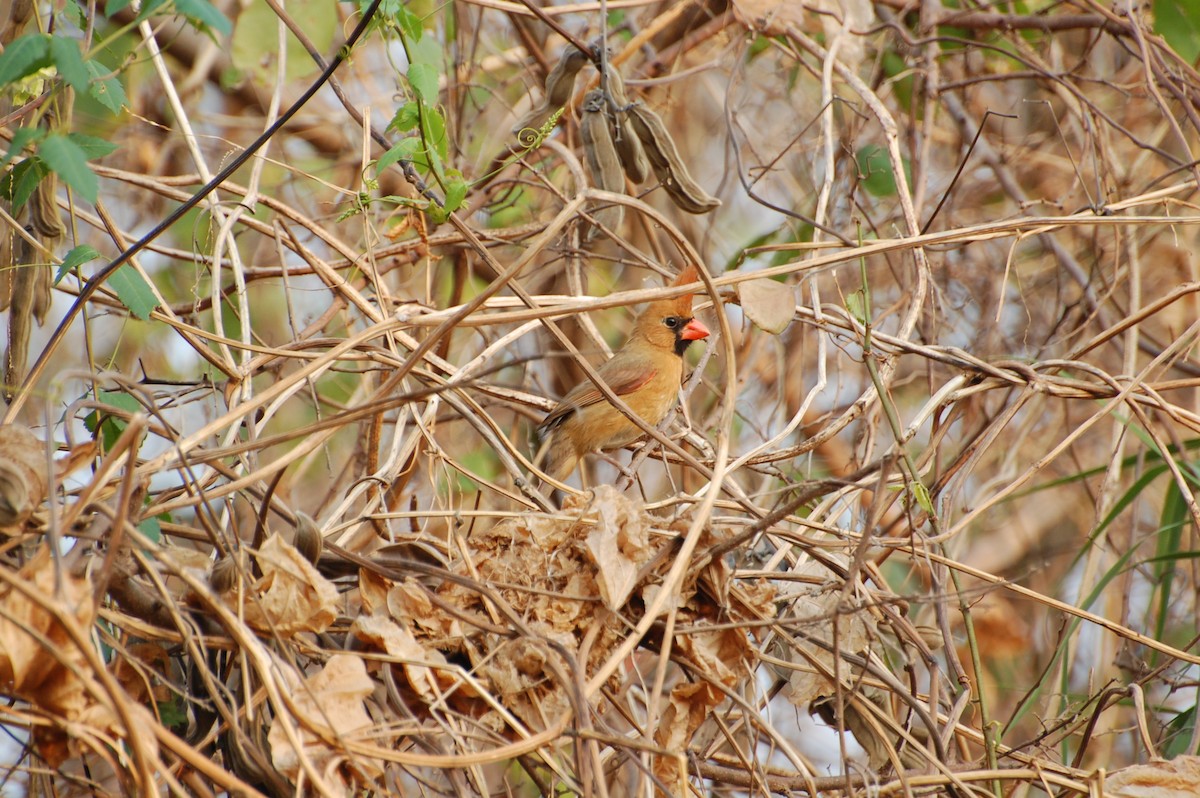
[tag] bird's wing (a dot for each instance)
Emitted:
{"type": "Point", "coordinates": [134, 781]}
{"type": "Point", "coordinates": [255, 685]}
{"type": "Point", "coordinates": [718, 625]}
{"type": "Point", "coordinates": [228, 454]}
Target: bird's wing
{"type": "Point", "coordinates": [621, 375]}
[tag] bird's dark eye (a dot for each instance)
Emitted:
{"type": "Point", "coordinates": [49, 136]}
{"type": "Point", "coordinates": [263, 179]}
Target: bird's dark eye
{"type": "Point", "coordinates": [672, 322]}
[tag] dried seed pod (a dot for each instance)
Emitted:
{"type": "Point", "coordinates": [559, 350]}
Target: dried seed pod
{"type": "Point", "coordinates": [22, 466]}
{"type": "Point", "coordinates": [309, 541]}
{"type": "Point", "coordinates": [20, 319]}
{"type": "Point", "coordinates": [223, 575]}
{"type": "Point", "coordinates": [683, 190]}
{"type": "Point", "coordinates": [602, 159]}
{"type": "Point", "coordinates": [43, 212]}
{"type": "Point", "coordinates": [629, 146]}
{"type": "Point", "coordinates": [560, 84]}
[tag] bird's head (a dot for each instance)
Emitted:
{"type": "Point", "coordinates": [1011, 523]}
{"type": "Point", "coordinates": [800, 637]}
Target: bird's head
{"type": "Point", "coordinates": [669, 323]}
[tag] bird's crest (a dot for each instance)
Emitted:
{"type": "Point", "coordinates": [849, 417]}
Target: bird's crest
{"type": "Point", "coordinates": [683, 304]}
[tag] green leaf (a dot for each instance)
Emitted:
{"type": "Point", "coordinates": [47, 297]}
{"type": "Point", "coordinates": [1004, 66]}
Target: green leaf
{"type": "Point", "coordinates": [424, 80]}
{"type": "Point", "coordinates": [18, 183]}
{"type": "Point", "coordinates": [22, 138]}
{"type": "Point", "coordinates": [1176, 21]}
{"type": "Point", "coordinates": [435, 131]}
{"type": "Point", "coordinates": [149, 8]}
{"type": "Point", "coordinates": [204, 14]}
{"type": "Point", "coordinates": [407, 118]}
{"type": "Point", "coordinates": [875, 171]}
{"type": "Point", "coordinates": [113, 6]}
{"type": "Point", "coordinates": [411, 26]}
{"type": "Point", "coordinates": [69, 62]}
{"type": "Point", "coordinates": [92, 146]}
{"type": "Point", "coordinates": [26, 55]}
{"type": "Point", "coordinates": [254, 48]}
{"type": "Point", "coordinates": [405, 150]}
{"type": "Point", "coordinates": [426, 51]}
{"type": "Point", "coordinates": [133, 291]}
{"type": "Point", "coordinates": [67, 159]}
{"type": "Point", "coordinates": [76, 258]}
{"type": "Point", "coordinates": [106, 87]}
{"type": "Point", "coordinates": [152, 529]}
{"type": "Point", "coordinates": [107, 427]}
{"type": "Point", "coordinates": [456, 190]}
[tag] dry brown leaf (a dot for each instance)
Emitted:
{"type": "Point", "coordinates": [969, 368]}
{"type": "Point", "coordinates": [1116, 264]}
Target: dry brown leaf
{"type": "Point", "coordinates": [397, 641]}
{"type": "Point", "coordinates": [41, 664]}
{"type": "Point", "coordinates": [688, 706]}
{"type": "Point", "coordinates": [22, 475]}
{"type": "Point", "coordinates": [771, 17]}
{"type": "Point", "coordinates": [330, 701]}
{"type": "Point", "coordinates": [372, 591]}
{"type": "Point", "coordinates": [292, 596]}
{"type": "Point", "coordinates": [722, 654]}
{"type": "Point", "coordinates": [1178, 778]}
{"type": "Point", "coordinates": [815, 612]}
{"type": "Point", "coordinates": [775, 17]}
{"type": "Point", "coordinates": [619, 545]}
{"type": "Point", "coordinates": [769, 304]}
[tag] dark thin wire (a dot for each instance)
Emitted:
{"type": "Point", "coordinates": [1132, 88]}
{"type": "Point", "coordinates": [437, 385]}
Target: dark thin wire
{"type": "Point", "coordinates": [91, 286]}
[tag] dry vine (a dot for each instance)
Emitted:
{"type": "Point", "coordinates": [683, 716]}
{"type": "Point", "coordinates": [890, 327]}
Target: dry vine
{"type": "Point", "coordinates": [933, 485]}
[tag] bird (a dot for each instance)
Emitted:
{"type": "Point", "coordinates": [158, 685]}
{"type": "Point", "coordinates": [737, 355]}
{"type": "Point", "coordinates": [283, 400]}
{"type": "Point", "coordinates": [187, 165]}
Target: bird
{"type": "Point", "coordinates": [645, 373]}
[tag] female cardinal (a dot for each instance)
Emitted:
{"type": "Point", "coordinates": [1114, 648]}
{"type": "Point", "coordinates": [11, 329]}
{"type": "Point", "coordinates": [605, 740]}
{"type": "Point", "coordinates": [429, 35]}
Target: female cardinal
{"type": "Point", "coordinates": [645, 372]}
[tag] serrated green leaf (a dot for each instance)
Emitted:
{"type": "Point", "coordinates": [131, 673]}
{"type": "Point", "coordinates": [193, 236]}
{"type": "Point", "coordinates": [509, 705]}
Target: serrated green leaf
{"type": "Point", "coordinates": [74, 259]}
{"type": "Point", "coordinates": [92, 146]}
{"type": "Point", "coordinates": [26, 55]}
{"type": "Point", "coordinates": [424, 80]}
{"type": "Point", "coordinates": [435, 132]}
{"type": "Point", "coordinates": [405, 150]}
{"type": "Point", "coordinates": [426, 51]}
{"type": "Point", "coordinates": [204, 14]}
{"type": "Point", "coordinates": [106, 87]}
{"type": "Point", "coordinates": [410, 25]}
{"type": "Point", "coordinates": [65, 158]}
{"type": "Point", "coordinates": [23, 137]}
{"type": "Point", "coordinates": [407, 118]}
{"type": "Point", "coordinates": [133, 291]}
{"type": "Point", "coordinates": [69, 62]}
{"type": "Point", "coordinates": [18, 183]}
{"type": "Point", "coordinates": [456, 192]}
{"type": "Point", "coordinates": [149, 8]}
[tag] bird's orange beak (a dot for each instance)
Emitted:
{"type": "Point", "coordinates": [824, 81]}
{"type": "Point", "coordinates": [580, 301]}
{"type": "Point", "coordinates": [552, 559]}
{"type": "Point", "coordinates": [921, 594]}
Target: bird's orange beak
{"type": "Point", "coordinates": [693, 331]}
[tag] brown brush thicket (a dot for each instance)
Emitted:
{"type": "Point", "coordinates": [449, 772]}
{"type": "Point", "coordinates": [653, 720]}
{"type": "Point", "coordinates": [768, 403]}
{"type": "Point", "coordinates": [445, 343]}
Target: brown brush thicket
{"type": "Point", "coordinates": [271, 520]}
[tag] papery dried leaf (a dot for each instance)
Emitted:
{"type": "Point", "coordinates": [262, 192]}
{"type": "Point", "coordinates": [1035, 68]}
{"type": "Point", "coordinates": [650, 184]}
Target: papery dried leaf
{"type": "Point", "coordinates": [619, 545]}
{"type": "Point", "coordinates": [373, 591]}
{"type": "Point", "coordinates": [770, 17]}
{"type": "Point", "coordinates": [291, 596]}
{"type": "Point", "coordinates": [28, 666]}
{"type": "Point", "coordinates": [22, 474]}
{"type": "Point", "coordinates": [767, 303]}
{"type": "Point", "coordinates": [688, 706]}
{"type": "Point", "coordinates": [722, 654]}
{"type": "Point", "coordinates": [330, 700]}
{"type": "Point", "coordinates": [815, 614]}
{"type": "Point", "coordinates": [397, 641]}
{"type": "Point", "coordinates": [1178, 778]}
{"type": "Point", "coordinates": [40, 662]}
